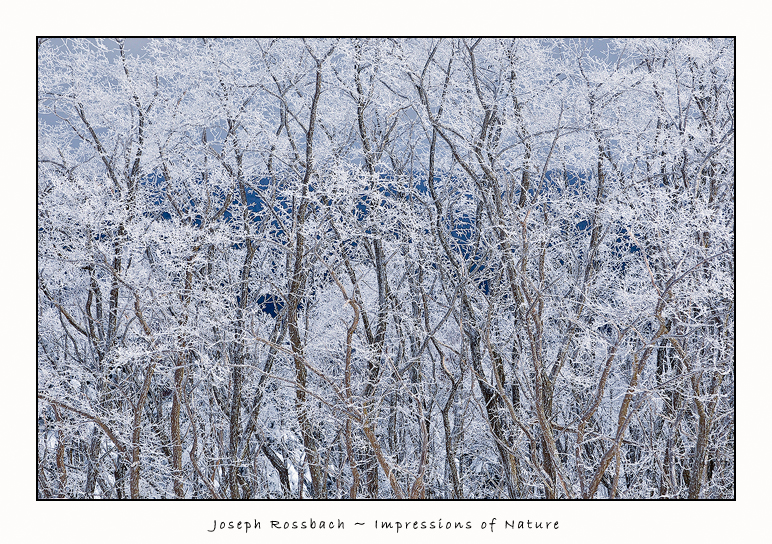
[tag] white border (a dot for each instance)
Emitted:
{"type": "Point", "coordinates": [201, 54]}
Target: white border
{"type": "Point", "coordinates": [26, 520]}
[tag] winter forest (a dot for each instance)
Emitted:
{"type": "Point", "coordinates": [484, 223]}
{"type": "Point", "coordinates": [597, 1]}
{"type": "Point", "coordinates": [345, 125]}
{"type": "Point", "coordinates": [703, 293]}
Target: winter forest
{"type": "Point", "coordinates": [386, 268]}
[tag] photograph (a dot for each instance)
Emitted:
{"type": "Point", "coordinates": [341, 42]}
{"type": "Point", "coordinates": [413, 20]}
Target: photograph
{"type": "Point", "coordinates": [415, 268]}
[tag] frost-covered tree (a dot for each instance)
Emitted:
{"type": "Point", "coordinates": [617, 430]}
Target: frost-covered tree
{"type": "Point", "coordinates": [342, 268]}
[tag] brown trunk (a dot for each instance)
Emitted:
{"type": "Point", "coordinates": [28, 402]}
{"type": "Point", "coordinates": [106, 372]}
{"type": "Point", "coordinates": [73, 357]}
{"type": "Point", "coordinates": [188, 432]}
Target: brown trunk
{"type": "Point", "coordinates": [297, 285]}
